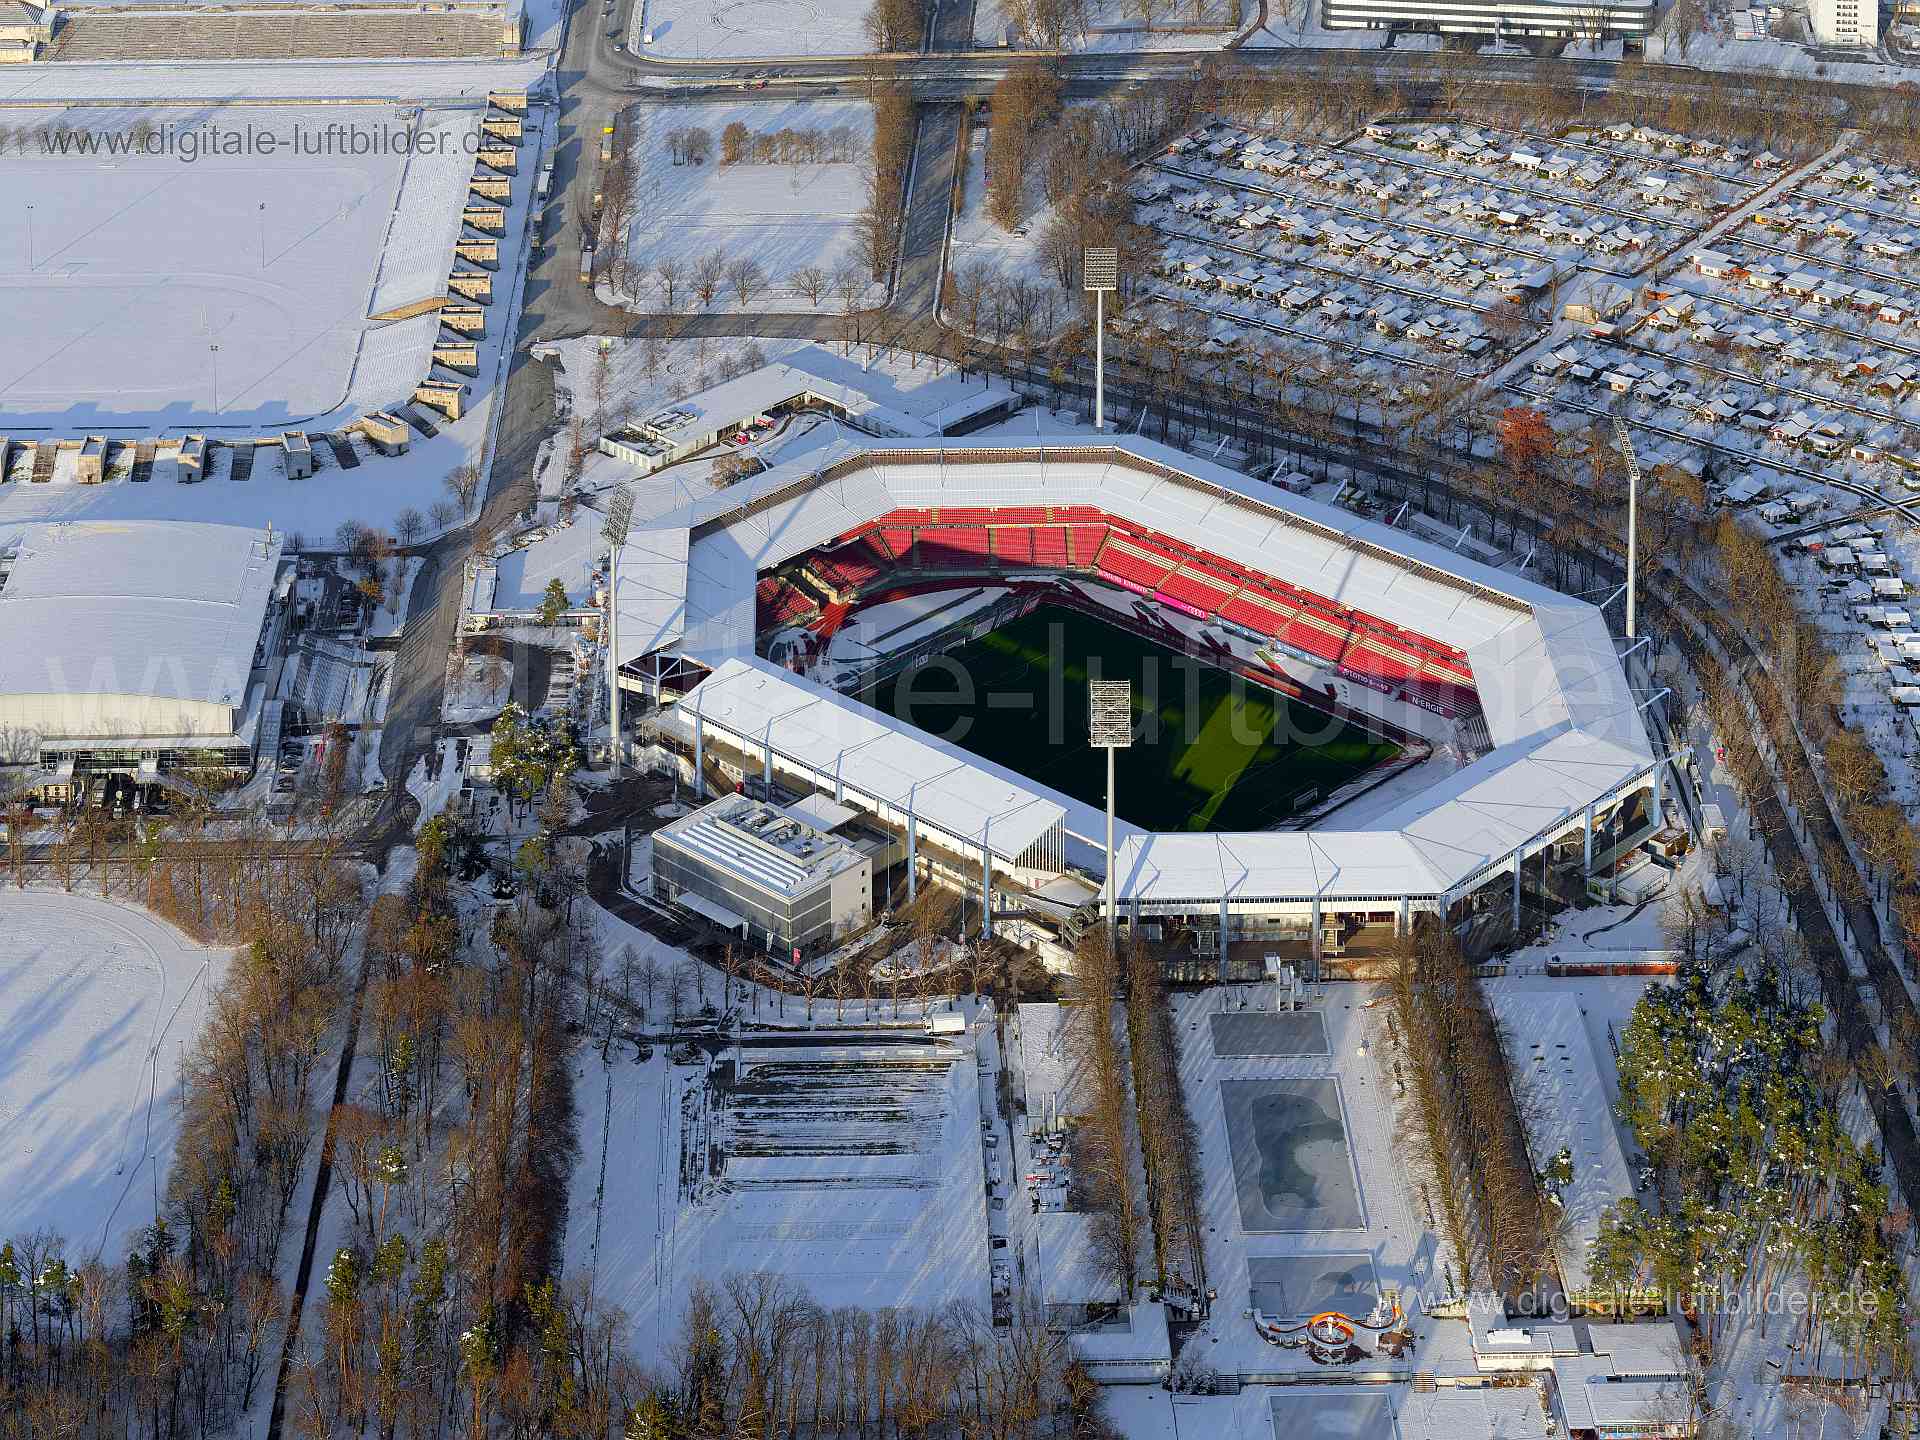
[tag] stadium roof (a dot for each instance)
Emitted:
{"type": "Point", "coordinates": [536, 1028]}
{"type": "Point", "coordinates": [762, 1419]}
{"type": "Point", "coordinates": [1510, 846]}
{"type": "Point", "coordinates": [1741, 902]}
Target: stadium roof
{"type": "Point", "coordinates": [1565, 727]}
{"type": "Point", "coordinates": [164, 609]}
{"type": "Point", "coordinates": [878, 756]}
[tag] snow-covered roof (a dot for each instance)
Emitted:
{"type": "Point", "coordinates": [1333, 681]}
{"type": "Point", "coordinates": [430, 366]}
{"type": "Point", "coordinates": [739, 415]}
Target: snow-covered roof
{"type": "Point", "coordinates": [876, 755]}
{"type": "Point", "coordinates": [169, 610]}
{"type": "Point", "coordinates": [1565, 727]}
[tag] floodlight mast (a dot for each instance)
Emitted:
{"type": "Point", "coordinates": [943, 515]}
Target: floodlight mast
{"type": "Point", "coordinates": [1110, 728]}
{"type": "Point", "coordinates": [1099, 273]}
{"type": "Point", "coordinates": [619, 522]}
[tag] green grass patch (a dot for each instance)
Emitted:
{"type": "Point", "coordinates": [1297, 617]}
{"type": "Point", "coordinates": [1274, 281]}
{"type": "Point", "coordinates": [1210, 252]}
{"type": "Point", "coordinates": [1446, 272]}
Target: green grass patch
{"type": "Point", "coordinates": [1211, 750]}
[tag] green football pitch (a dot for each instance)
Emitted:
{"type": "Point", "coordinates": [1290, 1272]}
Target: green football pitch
{"type": "Point", "coordinates": [1211, 751]}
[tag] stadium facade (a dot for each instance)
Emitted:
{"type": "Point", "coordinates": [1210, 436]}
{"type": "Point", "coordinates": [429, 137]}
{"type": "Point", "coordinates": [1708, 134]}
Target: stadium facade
{"type": "Point", "coordinates": [1523, 685]}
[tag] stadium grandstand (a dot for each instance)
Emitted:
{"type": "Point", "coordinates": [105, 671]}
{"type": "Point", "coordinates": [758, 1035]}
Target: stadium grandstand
{"type": "Point", "coordinates": [728, 608]}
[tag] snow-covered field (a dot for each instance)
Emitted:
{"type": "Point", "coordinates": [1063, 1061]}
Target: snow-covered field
{"type": "Point", "coordinates": [749, 29]}
{"type": "Point", "coordinates": [1116, 24]}
{"type": "Point", "coordinates": [784, 216]}
{"type": "Point", "coordinates": [208, 290]}
{"type": "Point", "coordinates": [97, 1002]}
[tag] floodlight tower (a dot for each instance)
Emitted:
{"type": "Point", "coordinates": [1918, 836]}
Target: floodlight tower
{"type": "Point", "coordinates": [614, 531]}
{"type": "Point", "coordinates": [1099, 273]}
{"type": "Point", "coordinates": [1110, 726]}
{"type": "Point", "coordinates": [1625, 443]}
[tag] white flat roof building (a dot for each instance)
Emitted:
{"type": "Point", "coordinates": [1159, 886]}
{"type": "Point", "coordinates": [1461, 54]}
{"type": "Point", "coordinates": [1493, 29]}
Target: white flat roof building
{"type": "Point", "coordinates": [1606, 19]}
{"type": "Point", "coordinates": [132, 635]}
{"type": "Point", "coordinates": [765, 869]}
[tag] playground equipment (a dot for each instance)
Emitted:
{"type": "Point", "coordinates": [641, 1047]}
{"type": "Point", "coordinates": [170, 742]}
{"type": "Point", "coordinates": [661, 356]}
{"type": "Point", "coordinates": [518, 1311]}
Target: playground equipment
{"type": "Point", "coordinates": [1329, 1337]}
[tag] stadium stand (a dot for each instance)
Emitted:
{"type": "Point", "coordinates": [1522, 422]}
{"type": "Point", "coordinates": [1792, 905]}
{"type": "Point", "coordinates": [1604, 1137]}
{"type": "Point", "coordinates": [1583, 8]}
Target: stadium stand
{"type": "Point", "coordinates": [987, 540]}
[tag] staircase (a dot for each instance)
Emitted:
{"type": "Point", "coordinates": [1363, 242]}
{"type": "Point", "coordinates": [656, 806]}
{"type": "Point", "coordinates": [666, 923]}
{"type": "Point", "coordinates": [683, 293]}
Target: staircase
{"type": "Point", "coordinates": [243, 453]}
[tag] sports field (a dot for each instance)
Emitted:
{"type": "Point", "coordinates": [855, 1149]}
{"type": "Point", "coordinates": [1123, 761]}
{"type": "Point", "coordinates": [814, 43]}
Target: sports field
{"type": "Point", "coordinates": [1211, 752]}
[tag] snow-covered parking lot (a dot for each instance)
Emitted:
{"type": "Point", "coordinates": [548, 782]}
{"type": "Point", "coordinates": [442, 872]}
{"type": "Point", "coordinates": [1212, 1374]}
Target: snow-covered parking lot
{"type": "Point", "coordinates": [223, 276]}
{"type": "Point", "coordinates": [97, 1001]}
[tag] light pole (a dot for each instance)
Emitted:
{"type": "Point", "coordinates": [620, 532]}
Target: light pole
{"type": "Point", "coordinates": [30, 264]}
{"type": "Point", "coordinates": [619, 522]}
{"type": "Point", "coordinates": [263, 235]}
{"type": "Point", "coordinates": [1099, 273]}
{"type": "Point", "coordinates": [1110, 728]}
{"type": "Point", "coordinates": [213, 350]}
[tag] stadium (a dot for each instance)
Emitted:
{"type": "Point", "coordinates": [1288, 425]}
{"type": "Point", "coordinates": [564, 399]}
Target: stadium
{"type": "Point", "coordinates": [1411, 731]}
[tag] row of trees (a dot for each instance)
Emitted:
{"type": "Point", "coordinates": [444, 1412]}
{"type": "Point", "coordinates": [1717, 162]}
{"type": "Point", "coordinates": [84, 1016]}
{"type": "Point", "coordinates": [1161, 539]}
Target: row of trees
{"type": "Point", "coordinates": [1462, 1129]}
{"type": "Point", "coordinates": [1101, 1142]}
{"type": "Point", "coordinates": [439, 1315]}
{"type": "Point", "coordinates": [834, 145]}
{"type": "Point", "coordinates": [1168, 1140]}
{"type": "Point", "coordinates": [877, 228]}
{"type": "Point", "coordinates": [181, 1336]}
{"type": "Point", "coordinates": [759, 1356]}
{"type": "Point", "coordinates": [1025, 103]}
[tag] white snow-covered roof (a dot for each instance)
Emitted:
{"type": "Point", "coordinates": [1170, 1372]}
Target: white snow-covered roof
{"type": "Point", "coordinates": [876, 755]}
{"type": "Point", "coordinates": [1564, 725]}
{"type": "Point", "coordinates": [169, 610]}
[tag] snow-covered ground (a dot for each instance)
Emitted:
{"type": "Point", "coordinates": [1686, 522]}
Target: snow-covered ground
{"type": "Point", "coordinates": [211, 290]}
{"type": "Point", "coordinates": [1117, 24]}
{"type": "Point", "coordinates": [1005, 255]}
{"type": "Point", "coordinates": [748, 29]}
{"type": "Point", "coordinates": [97, 1003]}
{"type": "Point", "coordinates": [478, 688]}
{"type": "Point", "coordinates": [894, 1213]}
{"type": "Point", "coordinates": [783, 216]}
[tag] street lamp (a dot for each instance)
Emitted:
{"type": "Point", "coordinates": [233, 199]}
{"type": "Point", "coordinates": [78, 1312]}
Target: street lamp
{"type": "Point", "coordinates": [1110, 728]}
{"type": "Point", "coordinates": [213, 351]}
{"type": "Point", "coordinates": [619, 521]}
{"type": "Point", "coordinates": [1099, 273]}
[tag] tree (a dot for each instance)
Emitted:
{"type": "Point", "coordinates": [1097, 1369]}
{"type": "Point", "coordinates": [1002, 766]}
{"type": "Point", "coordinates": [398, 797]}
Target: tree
{"type": "Point", "coordinates": [747, 278]}
{"type": "Point", "coordinates": [553, 603]}
{"type": "Point", "coordinates": [408, 524]}
{"type": "Point", "coordinates": [709, 271]}
{"type": "Point", "coordinates": [895, 26]}
{"type": "Point", "coordinates": [810, 281]}
{"type": "Point", "coordinates": [1525, 438]}
{"type": "Point", "coordinates": [733, 143]}
{"type": "Point", "coordinates": [671, 276]}
{"type": "Point", "coordinates": [463, 484]}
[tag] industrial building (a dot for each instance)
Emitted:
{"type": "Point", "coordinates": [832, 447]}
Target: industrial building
{"type": "Point", "coordinates": [777, 874]}
{"type": "Point", "coordinates": [137, 648]}
{"type": "Point", "coordinates": [1506, 19]}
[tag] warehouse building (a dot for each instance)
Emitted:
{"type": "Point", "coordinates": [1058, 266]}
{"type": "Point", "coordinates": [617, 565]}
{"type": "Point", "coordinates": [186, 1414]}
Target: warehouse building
{"type": "Point", "coordinates": [136, 648]}
{"type": "Point", "coordinates": [1627, 20]}
{"type": "Point", "coordinates": [777, 874]}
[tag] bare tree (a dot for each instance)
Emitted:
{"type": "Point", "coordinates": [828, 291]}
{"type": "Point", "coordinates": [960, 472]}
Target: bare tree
{"type": "Point", "coordinates": [810, 281]}
{"type": "Point", "coordinates": [747, 278]}
{"type": "Point", "coordinates": [709, 273]}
